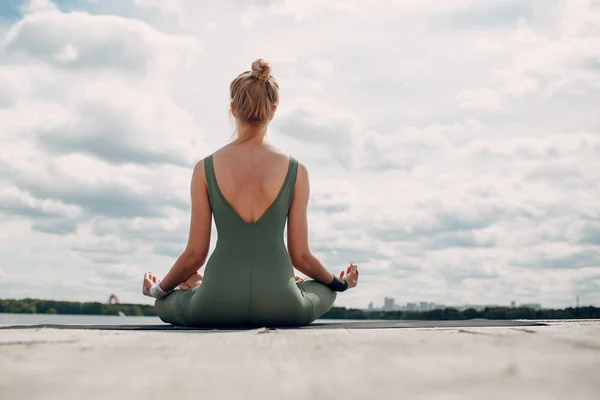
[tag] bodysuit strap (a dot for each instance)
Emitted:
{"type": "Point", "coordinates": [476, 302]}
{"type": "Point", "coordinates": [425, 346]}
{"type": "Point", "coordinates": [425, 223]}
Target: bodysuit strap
{"type": "Point", "coordinates": [211, 180]}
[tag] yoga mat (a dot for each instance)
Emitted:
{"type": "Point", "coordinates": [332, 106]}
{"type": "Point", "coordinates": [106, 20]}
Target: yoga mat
{"type": "Point", "coordinates": [367, 324]}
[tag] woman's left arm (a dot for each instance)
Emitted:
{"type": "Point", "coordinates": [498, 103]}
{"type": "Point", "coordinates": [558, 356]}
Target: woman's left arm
{"type": "Point", "coordinates": [194, 255]}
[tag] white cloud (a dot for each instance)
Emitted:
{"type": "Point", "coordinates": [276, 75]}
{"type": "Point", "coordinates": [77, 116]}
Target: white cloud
{"type": "Point", "coordinates": [453, 153]}
{"type": "Point", "coordinates": [580, 18]}
{"type": "Point", "coordinates": [22, 203]}
{"type": "Point", "coordinates": [164, 5]}
{"type": "Point", "coordinates": [485, 46]}
{"type": "Point", "coordinates": [542, 62]}
{"type": "Point", "coordinates": [36, 6]}
{"type": "Point", "coordinates": [552, 66]}
{"type": "Point", "coordinates": [323, 69]}
{"type": "Point", "coordinates": [479, 99]}
{"type": "Point", "coordinates": [307, 8]}
{"type": "Point", "coordinates": [190, 12]}
{"type": "Point", "coordinates": [122, 125]}
{"type": "Point", "coordinates": [80, 40]}
{"type": "Point", "coordinates": [249, 17]}
{"type": "Point", "coordinates": [314, 123]}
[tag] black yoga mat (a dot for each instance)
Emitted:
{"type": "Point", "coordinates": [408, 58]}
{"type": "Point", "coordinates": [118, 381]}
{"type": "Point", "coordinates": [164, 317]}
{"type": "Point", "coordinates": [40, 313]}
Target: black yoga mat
{"type": "Point", "coordinates": [367, 324]}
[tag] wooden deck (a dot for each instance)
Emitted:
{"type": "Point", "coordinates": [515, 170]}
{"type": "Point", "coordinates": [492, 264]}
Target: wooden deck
{"type": "Point", "coordinates": [559, 361]}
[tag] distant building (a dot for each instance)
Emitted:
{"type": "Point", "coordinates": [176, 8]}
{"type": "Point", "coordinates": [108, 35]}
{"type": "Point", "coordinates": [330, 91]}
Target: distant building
{"type": "Point", "coordinates": [513, 304]}
{"type": "Point", "coordinates": [371, 307]}
{"type": "Point", "coordinates": [388, 304]}
{"type": "Point", "coordinates": [411, 307]}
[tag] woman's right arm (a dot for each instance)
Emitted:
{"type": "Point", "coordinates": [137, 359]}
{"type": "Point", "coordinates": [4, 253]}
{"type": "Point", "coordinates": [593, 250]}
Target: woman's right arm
{"type": "Point", "coordinates": [302, 259]}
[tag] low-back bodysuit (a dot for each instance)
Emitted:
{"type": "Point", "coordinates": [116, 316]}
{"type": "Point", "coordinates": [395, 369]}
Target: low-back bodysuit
{"type": "Point", "coordinates": [249, 278]}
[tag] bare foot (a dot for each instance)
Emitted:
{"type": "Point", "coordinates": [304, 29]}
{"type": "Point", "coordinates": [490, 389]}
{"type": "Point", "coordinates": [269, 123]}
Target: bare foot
{"type": "Point", "coordinates": [194, 280]}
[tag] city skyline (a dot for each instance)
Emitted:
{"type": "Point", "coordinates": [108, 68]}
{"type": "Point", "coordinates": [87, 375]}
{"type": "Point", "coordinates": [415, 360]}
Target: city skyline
{"type": "Point", "coordinates": [389, 304]}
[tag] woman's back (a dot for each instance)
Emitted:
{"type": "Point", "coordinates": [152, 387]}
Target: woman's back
{"type": "Point", "coordinates": [250, 176]}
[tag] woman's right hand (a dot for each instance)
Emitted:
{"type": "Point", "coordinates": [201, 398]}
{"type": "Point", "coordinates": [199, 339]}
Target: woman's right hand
{"type": "Point", "coordinates": [351, 275]}
{"type": "Point", "coordinates": [149, 281]}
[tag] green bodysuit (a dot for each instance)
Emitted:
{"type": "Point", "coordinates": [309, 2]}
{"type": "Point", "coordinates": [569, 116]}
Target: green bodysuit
{"type": "Point", "coordinates": [249, 278]}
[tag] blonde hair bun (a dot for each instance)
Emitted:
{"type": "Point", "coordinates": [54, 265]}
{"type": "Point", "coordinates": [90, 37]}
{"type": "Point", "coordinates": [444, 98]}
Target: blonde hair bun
{"type": "Point", "coordinates": [261, 69]}
{"type": "Point", "coordinates": [254, 94]}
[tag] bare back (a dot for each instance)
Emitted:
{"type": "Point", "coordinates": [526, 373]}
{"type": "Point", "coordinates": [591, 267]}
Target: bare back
{"type": "Point", "coordinates": [250, 177]}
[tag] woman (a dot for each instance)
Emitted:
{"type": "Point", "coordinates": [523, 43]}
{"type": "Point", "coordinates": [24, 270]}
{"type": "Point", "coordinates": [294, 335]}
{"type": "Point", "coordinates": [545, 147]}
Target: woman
{"type": "Point", "coordinates": [252, 189]}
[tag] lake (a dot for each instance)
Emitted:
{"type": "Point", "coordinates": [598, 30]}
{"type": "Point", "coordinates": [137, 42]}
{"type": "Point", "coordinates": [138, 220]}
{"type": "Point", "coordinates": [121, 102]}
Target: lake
{"type": "Point", "coordinates": [34, 319]}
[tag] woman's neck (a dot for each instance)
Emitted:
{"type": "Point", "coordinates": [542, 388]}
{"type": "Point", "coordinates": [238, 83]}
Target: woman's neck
{"type": "Point", "coordinates": [249, 133]}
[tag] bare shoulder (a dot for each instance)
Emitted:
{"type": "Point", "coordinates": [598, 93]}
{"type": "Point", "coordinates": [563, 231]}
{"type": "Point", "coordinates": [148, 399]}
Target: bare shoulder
{"type": "Point", "coordinates": [302, 185]}
{"type": "Point", "coordinates": [219, 152]}
{"type": "Point", "coordinates": [276, 154]}
{"type": "Point", "coordinates": [302, 173]}
{"type": "Point", "coordinates": [199, 167]}
{"type": "Point", "coordinates": [199, 174]}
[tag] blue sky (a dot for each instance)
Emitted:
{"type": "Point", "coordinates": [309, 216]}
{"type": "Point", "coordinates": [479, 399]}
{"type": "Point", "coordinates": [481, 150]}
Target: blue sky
{"type": "Point", "coordinates": [453, 147]}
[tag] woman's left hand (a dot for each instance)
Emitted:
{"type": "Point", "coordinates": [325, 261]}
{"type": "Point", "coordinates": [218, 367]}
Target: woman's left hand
{"type": "Point", "coordinates": [149, 281]}
{"type": "Point", "coordinates": [298, 279]}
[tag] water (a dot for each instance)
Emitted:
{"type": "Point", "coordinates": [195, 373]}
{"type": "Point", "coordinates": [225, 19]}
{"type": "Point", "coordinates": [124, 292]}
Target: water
{"type": "Point", "coordinates": [34, 319]}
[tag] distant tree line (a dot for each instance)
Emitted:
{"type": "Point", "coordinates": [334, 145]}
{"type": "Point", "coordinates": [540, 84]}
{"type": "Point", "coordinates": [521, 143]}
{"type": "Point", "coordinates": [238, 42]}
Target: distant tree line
{"type": "Point", "coordinates": [33, 306]}
{"type": "Point", "coordinates": [454, 314]}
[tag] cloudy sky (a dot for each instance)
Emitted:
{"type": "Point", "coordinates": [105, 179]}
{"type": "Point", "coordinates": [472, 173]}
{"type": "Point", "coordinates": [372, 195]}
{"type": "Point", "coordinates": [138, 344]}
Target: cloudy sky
{"type": "Point", "coordinates": [453, 147]}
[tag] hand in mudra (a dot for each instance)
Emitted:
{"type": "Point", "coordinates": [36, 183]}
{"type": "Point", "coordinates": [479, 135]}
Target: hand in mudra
{"type": "Point", "coordinates": [149, 280]}
{"type": "Point", "coordinates": [351, 275]}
